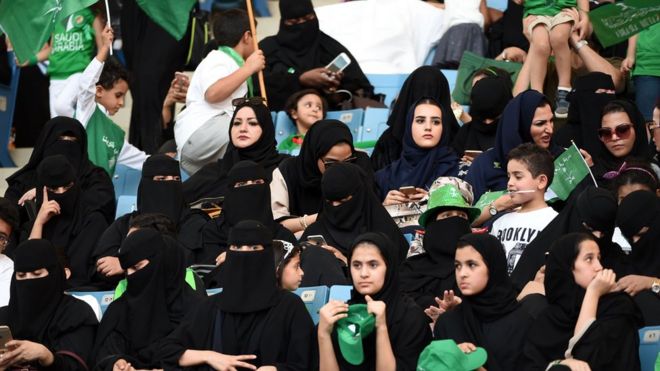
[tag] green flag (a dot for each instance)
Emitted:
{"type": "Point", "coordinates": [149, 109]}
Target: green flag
{"type": "Point", "coordinates": [487, 198]}
{"type": "Point", "coordinates": [172, 15]}
{"type": "Point", "coordinates": [614, 23]}
{"type": "Point", "coordinates": [471, 63]}
{"type": "Point", "coordinates": [570, 169]}
{"type": "Point", "coordinates": [29, 23]}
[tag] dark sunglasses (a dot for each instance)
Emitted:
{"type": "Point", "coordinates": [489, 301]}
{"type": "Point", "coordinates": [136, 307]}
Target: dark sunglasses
{"type": "Point", "coordinates": [253, 101]}
{"type": "Point", "coordinates": [328, 163]}
{"type": "Point", "coordinates": [622, 131]}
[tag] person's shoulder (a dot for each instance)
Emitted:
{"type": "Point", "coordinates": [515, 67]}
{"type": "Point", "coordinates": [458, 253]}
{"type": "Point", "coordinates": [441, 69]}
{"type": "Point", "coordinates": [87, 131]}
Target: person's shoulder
{"type": "Point", "coordinates": [269, 44]}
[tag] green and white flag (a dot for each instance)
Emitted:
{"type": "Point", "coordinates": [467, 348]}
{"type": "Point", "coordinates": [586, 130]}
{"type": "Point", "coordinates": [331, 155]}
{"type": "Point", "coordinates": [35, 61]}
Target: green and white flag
{"type": "Point", "coordinates": [172, 15]}
{"type": "Point", "coordinates": [29, 23]}
{"type": "Point", "coordinates": [570, 169]}
{"type": "Point", "coordinates": [614, 23]}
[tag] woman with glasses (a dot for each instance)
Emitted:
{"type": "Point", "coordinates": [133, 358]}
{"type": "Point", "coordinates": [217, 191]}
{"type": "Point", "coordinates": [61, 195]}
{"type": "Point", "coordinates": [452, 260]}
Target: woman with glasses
{"type": "Point", "coordinates": [295, 189]}
{"type": "Point", "coordinates": [622, 135]}
{"type": "Point", "coordinates": [252, 137]}
{"type": "Point", "coordinates": [426, 155]}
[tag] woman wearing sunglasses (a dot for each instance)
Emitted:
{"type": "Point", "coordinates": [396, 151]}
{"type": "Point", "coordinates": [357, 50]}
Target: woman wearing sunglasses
{"type": "Point", "coordinates": [622, 134]}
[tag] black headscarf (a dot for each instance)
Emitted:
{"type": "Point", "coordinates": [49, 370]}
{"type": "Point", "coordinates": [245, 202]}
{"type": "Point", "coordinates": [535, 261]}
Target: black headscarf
{"type": "Point", "coordinates": [425, 81]}
{"type": "Point", "coordinates": [638, 210]}
{"type": "Point", "coordinates": [418, 166]}
{"type": "Point", "coordinates": [211, 180]}
{"type": "Point", "coordinates": [548, 337]}
{"type": "Point", "coordinates": [488, 98]}
{"type": "Point", "coordinates": [56, 171]}
{"type": "Point", "coordinates": [340, 225]}
{"type": "Point", "coordinates": [302, 174]}
{"type": "Point", "coordinates": [488, 171]}
{"type": "Point", "coordinates": [164, 197]}
{"type": "Point", "coordinates": [605, 161]}
{"type": "Point", "coordinates": [597, 208]}
{"type": "Point", "coordinates": [249, 272]}
{"type": "Point", "coordinates": [99, 193]}
{"type": "Point", "coordinates": [433, 272]}
{"type": "Point", "coordinates": [585, 111]}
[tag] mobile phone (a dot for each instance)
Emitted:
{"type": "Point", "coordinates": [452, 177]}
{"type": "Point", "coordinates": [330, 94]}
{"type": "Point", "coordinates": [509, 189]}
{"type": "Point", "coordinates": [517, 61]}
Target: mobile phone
{"type": "Point", "coordinates": [180, 78]}
{"type": "Point", "coordinates": [317, 239]}
{"type": "Point", "coordinates": [339, 63]}
{"type": "Point", "coordinates": [5, 337]}
{"type": "Point", "coordinates": [472, 153]}
{"type": "Point", "coordinates": [408, 190]}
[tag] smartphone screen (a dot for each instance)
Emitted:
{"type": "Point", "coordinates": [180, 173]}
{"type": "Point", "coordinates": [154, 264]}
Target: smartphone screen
{"type": "Point", "coordinates": [317, 239]}
{"type": "Point", "coordinates": [339, 63]}
{"type": "Point", "coordinates": [5, 336]}
{"type": "Point", "coordinates": [408, 190]}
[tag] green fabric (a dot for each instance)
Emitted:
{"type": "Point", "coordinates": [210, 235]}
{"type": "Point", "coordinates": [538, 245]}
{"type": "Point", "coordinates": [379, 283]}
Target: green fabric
{"type": "Point", "coordinates": [445, 355]}
{"type": "Point", "coordinates": [570, 169]}
{"type": "Point", "coordinates": [240, 61]}
{"type": "Point", "coordinates": [547, 7]}
{"type": "Point", "coordinates": [365, 144]}
{"type": "Point", "coordinates": [105, 140]}
{"type": "Point", "coordinates": [448, 196]}
{"type": "Point", "coordinates": [73, 45]}
{"type": "Point", "coordinates": [172, 15]}
{"type": "Point", "coordinates": [29, 23]}
{"type": "Point", "coordinates": [357, 324]}
{"type": "Point", "coordinates": [121, 286]}
{"type": "Point", "coordinates": [647, 56]}
{"type": "Point", "coordinates": [614, 23]}
{"type": "Point", "coordinates": [487, 198]}
{"type": "Point", "coordinates": [288, 144]}
{"type": "Point", "coordinates": [470, 63]}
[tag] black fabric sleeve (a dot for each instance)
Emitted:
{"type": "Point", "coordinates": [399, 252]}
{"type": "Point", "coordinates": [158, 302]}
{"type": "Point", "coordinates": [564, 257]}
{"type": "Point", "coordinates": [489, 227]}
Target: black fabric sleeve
{"type": "Point", "coordinates": [79, 342]}
{"type": "Point", "coordinates": [410, 338]}
{"type": "Point", "coordinates": [80, 250]}
{"type": "Point", "coordinates": [108, 245]}
{"type": "Point", "coordinates": [300, 336]}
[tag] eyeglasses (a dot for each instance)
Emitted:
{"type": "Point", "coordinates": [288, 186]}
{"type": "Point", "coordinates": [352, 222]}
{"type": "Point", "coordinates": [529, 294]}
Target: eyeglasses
{"type": "Point", "coordinates": [328, 163]}
{"type": "Point", "coordinates": [253, 101]}
{"type": "Point", "coordinates": [652, 125]}
{"type": "Point", "coordinates": [622, 131]}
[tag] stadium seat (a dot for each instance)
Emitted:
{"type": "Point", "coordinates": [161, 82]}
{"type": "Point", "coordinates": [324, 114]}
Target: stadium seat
{"type": "Point", "coordinates": [211, 292]}
{"type": "Point", "coordinates": [284, 127]}
{"type": "Point", "coordinates": [352, 118]}
{"type": "Point", "coordinates": [125, 204]}
{"type": "Point", "coordinates": [500, 5]}
{"type": "Point", "coordinates": [340, 292]}
{"type": "Point", "coordinates": [649, 347]}
{"type": "Point", "coordinates": [314, 298]}
{"type": "Point", "coordinates": [451, 76]}
{"type": "Point", "coordinates": [375, 122]}
{"type": "Point", "coordinates": [388, 84]}
{"type": "Point", "coordinates": [126, 180]}
{"type": "Point", "coordinates": [97, 300]}
{"type": "Point", "coordinates": [7, 105]}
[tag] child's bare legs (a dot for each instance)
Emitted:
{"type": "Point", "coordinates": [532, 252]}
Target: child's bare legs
{"type": "Point", "coordinates": [559, 43]}
{"type": "Point", "coordinates": [539, 51]}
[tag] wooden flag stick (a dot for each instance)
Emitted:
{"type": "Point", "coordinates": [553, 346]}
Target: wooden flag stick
{"type": "Point", "coordinates": [108, 22]}
{"type": "Point", "coordinates": [253, 31]}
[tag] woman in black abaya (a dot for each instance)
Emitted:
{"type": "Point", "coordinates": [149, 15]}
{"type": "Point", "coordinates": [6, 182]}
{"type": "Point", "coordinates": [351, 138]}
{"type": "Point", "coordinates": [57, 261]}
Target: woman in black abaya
{"type": "Point", "coordinates": [53, 330]}
{"type": "Point", "coordinates": [489, 311]}
{"type": "Point", "coordinates": [251, 321]}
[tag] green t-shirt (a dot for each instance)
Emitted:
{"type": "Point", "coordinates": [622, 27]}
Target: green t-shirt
{"type": "Point", "coordinates": [547, 7]}
{"type": "Point", "coordinates": [293, 141]}
{"type": "Point", "coordinates": [105, 140]}
{"type": "Point", "coordinates": [73, 45]}
{"type": "Point", "coordinates": [647, 55]}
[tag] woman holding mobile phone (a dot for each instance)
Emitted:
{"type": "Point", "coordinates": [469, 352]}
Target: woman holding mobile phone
{"type": "Point", "coordinates": [426, 155]}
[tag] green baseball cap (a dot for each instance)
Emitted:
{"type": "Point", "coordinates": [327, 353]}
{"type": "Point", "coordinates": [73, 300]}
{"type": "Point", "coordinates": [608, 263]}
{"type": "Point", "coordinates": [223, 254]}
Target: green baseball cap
{"type": "Point", "coordinates": [351, 330]}
{"type": "Point", "coordinates": [445, 355]}
{"type": "Point", "coordinates": [447, 197]}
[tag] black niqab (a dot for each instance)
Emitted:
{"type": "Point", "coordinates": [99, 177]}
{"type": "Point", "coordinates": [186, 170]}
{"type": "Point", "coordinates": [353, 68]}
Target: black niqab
{"type": "Point", "coordinates": [641, 209]}
{"type": "Point", "coordinates": [161, 196]}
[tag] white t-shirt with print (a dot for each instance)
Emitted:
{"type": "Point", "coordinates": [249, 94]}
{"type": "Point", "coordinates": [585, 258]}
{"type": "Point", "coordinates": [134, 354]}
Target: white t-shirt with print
{"type": "Point", "coordinates": [516, 230]}
{"type": "Point", "coordinates": [6, 271]}
{"type": "Point", "coordinates": [217, 65]}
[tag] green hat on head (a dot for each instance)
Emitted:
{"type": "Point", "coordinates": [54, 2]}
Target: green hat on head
{"type": "Point", "coordinates": [447, 197]}
{"type": "Point", "coordinates": [351, 330]}
{"type": "Point", "coordinates": [445, 355]}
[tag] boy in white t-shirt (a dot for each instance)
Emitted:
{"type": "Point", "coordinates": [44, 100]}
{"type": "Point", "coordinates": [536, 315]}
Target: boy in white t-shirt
{"type": "Point", "coordinates": [530, 169]}
{"type": "Point", "coordinates": [201, 131]}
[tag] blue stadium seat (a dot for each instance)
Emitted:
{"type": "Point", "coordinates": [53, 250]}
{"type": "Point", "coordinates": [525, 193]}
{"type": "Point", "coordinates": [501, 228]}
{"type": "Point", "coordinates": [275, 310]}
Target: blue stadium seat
{"type": "Point", "coordinates": [314, 298]}
{"type": "Point", "coordinates": [352, 118]}
{"type": "Point", "coordinates": [649, 347]}
{"type": "Point", "coordinates": [451, 76]}
{"type": "Point", "coordinates": [388, 84]}
{"type": "Point", "coordinates": [126, 180]}
{"type": "Point", "coordinates": [284, 127]}
{"type": "Point", "coordinates": [500, 5]}
{"type": "Point", "coordinates": [7, 105]}
{"type": "Point", "coordinates": [98, 300]}
{"type": "Point", "coordinates": [211, 292]}
{"type": "Point", "coordinates": [340, 292]}
{"type": "Point", "coordinates": [273, 116]}
{"type": "Point", "coordinates": [125, 204]}
{"type": "Point", "coordinates": [375, 122]}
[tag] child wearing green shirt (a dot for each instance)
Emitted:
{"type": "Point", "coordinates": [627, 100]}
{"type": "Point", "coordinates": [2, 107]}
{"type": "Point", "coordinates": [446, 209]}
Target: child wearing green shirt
{"type": "Point", "coordinates": [304, 108]}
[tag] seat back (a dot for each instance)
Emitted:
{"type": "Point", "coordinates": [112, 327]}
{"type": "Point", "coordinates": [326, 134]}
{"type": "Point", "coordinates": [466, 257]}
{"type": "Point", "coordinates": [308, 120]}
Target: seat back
{"type": "Point", "coordinates": [126, 180]}
{"type": "Point", "coordinates": [284, 127]}
{"type": "Point", "coordinates": [97, 300]}
{"type": "Point", "coordinates": [649, 347]}
{"type": "Point", "coordinates": [374, 124]}
{"type": "Point", "coordinates": [340, 292]}
{"type": "Point", "coordinates": [388, 84]}
{"type": "Point", "coordinates": [314, 298]}
{"type": "Point", "coordinates": [125, 204]}
{"type": "Point", "coordinates": [352, 118]}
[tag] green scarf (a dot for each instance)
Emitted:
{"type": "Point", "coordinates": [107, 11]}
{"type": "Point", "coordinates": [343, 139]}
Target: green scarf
{"type": "Point", "coordinates": [239, 60]}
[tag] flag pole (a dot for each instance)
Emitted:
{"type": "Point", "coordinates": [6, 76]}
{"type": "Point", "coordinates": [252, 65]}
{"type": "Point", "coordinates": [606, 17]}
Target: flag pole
{"type": "Point", "coordinates": [585, 163]}
{"type": "Point", "coordinates": [108, 22]}
{"type": "Point", "coordinates": [253, 31]}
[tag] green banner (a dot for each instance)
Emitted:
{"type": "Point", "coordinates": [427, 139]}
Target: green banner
{"type": "Point", "coordinates": [487, 198]}
{"type": "Point", "coordinates": [570, 169]}
{"type": "Point", "coordinates": [614, 23]}
{"type": "Point", "coordinates": [471, 63]}
{"type": "Point", "coordinates": [172, 15]}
